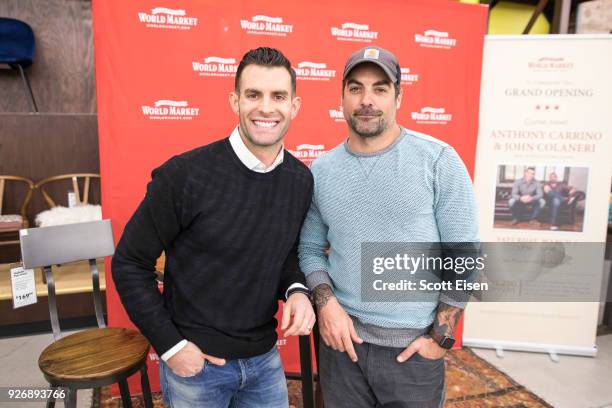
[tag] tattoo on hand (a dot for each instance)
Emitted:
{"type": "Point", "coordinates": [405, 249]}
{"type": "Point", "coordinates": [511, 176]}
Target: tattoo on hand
{"type": "Point", "coordinates": [446, 319]}
{"type": "Point", "coordinates": [322, 294]}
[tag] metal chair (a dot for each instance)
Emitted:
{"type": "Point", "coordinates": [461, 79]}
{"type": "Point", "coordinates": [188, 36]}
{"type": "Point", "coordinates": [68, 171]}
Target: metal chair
{"type": "Point", "coordinates": [91, 358]}
{"type": "Point", "coordinates": [311, 395]}
{"type": "Point", "coordinates": [17, 51]}
{"type": "Point", "coordinates": [306, 372]}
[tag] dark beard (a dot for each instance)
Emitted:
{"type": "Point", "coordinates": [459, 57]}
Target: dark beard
{"type": "Point", "coordinates": [373, 132]}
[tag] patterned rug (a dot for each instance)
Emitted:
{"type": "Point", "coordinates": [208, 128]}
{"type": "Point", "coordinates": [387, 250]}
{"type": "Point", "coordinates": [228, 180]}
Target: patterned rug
{"type": "Point", "coordinates": [471, 382]}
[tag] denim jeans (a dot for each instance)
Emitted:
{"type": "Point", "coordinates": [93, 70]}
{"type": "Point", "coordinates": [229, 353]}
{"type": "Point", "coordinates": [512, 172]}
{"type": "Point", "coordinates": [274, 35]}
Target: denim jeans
{"type": "Point", "coordinates": [519, 209]}
{"type": "Point", "coordinates": [242, 383]}
{"type": "Point", "coordinates": [377, 380]}
{"type": "Point", "coordinates": [556, 200]}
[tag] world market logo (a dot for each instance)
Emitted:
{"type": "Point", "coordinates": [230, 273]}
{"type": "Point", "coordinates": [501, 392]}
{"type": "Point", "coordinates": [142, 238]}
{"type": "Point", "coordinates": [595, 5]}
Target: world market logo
{"type": "Point", "coordinates": [314, 71]}
{"type": "Point", "coordinates": [162, 17]}
{"type": "Point", "coordinates": [435, 39]}
{"type": "Point", "coordinates": [408, 78]}
{"type": "Point", "coordinates": [216, 66]}
{"type": "Point", "coordinates": [337, 115]}
{"type": "Point", "coordinates": [432, 116]}
{"type": "Point", "coordinates": [165, 109]}
{"type": "Point", "coordinates": [264, 25]}
{"type": "Point", "coordinates": [550, 64]}
{"type": "Point", "coordinates": [354, 32]}
{"type": "Point", "coordinates": [308, 152]}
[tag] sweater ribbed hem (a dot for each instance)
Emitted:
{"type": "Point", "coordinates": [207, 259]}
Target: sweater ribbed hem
{"type": "Point", "coordinates": [387, 337]}
{"type": "Point", "coordinates": [217, 344]}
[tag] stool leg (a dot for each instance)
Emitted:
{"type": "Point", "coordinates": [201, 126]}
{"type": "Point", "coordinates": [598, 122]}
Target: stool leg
{"type": "Point", "coordinates": [51, 399]}
{"type": "Point", "coordinates": [146, 389]}
{"type": "Point", "coordinates": [70, 400]}
{"type": "Point", "coordinates": [318, 390]}
{"type": "Point", "coordinates": [306, 372]}
{"type": "Point", "coordinates": [125, 394]}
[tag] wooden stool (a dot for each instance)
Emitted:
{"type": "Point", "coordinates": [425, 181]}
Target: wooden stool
{"type": "Point", "coordinates": [91, 358]}
{"type": "Point", "coordinates": [95, 358]}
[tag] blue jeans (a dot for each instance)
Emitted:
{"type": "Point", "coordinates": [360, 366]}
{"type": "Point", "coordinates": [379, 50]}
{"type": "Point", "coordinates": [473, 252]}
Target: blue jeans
{"type": "Point", "coordinates": [556, 200]}
{"type": "Point", "coordinates": [242, 383]}
{"type": "Point", "coordinates": [519, 209]}
{"type": "Point", "coordinates": [378, 380]}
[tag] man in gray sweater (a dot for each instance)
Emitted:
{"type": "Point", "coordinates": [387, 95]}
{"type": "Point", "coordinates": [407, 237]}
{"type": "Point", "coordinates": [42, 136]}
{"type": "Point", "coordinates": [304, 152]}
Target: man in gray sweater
{"type": "Point", "coordinates": [384, 184]}
{"type": "Point", "coordinates": [527, 198]}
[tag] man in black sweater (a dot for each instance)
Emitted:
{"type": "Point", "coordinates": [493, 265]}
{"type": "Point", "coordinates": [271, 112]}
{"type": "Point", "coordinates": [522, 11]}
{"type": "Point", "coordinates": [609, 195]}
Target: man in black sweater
{"type": "Point", "coordinates": [227, 215]}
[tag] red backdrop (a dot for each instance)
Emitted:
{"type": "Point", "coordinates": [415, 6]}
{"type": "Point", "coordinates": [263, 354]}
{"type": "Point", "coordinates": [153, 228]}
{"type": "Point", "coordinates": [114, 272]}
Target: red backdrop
{"type": "Point", "coordinates": [164, 70]}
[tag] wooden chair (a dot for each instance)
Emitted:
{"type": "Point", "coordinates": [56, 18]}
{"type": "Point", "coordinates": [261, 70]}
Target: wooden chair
{"type": "Point", "coordinates": [10, 224]}
{"type": "Point", "coordinates": [91, 358]}
{"type": "Point", "coordinates": [83, 178]}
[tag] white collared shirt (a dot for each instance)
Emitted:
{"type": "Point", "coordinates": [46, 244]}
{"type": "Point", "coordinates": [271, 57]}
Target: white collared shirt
{"type": "Point", "coordinates": [248, 158]}
{"type": "Point", "coordinates": [250, 161]}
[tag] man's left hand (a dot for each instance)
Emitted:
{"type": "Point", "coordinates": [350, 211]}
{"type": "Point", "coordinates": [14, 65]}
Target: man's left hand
{"type": "Point", "coordinates": [425, 346]}
{"type": "Point", "coordinates": [298, 310]}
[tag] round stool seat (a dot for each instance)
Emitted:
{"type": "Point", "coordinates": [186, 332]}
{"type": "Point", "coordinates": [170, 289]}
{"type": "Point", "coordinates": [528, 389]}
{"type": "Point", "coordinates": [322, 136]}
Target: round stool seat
{"type": "Point", "coordinates": [94, 354]}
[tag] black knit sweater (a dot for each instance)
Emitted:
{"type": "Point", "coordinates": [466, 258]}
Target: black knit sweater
{"type": "Point", "coordinates": [229, 235]}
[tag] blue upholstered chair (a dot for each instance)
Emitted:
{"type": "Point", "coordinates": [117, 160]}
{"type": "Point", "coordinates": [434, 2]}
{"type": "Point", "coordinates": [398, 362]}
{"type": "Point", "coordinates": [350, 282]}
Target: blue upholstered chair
{"type": "Point", "coordinates": [17, 51]}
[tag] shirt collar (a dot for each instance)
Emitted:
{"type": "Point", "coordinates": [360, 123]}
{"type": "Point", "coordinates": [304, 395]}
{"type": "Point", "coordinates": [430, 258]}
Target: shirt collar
{"type": "Point", "coordinates": [248, 158]}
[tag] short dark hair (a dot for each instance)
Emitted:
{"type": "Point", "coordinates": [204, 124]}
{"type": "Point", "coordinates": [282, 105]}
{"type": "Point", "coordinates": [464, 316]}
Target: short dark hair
{"type": "Point", "coordinates": [530, 168]}
{"type": "Point", "coordinates": [265, 57]}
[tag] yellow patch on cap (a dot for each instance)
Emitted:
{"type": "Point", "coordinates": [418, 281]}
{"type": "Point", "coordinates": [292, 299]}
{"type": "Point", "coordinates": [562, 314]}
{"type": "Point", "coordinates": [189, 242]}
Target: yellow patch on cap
{"type": "Point", "coordinates": [371, 53]}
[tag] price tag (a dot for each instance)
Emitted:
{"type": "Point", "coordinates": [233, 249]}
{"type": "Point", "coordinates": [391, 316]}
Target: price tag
{"type": "Point", "coordinates": [71, 199]}
{"type": "Point", "coordinates": [23, 286]}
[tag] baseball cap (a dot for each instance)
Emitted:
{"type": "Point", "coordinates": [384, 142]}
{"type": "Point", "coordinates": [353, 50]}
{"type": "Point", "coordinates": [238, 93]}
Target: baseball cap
{"type": "Point", "coordinates": [377, 55]}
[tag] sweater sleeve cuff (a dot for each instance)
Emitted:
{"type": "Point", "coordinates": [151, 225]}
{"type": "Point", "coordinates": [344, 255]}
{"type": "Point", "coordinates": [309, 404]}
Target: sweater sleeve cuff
{"type": "Point", "coordinates": [164, 338]}
{"type": "Point", "coordinates": [178, 347]}
{"type": "Point", "coordinates": [316, 278]}
{"type": "Point", "coordinates": [454, 301]}
{"type": "Point", "coordinates": [295, 285]}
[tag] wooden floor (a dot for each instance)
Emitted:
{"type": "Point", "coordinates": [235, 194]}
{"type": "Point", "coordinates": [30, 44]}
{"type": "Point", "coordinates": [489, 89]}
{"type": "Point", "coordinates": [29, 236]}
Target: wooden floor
{"type": "Point", "coordinates": [526, 225]}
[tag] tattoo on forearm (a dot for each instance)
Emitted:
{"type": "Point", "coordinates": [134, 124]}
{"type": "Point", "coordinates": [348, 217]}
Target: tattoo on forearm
{"type": "Point", "coordinates": [322, 294]}
{"type": "Point", "coordinates": [446, 319]}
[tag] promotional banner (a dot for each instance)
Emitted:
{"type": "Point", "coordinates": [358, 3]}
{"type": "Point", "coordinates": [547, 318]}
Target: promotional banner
{"type": "Point", "coordinates": [543, 173]}
{"type": "Point", "coordinates": [165, 69]}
